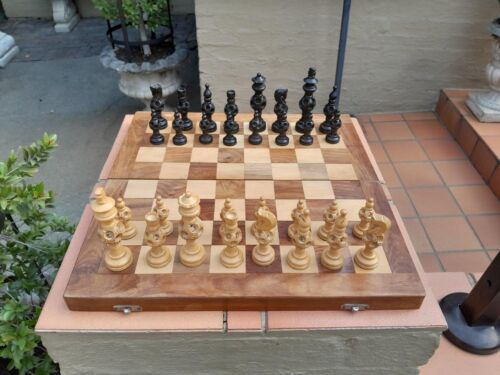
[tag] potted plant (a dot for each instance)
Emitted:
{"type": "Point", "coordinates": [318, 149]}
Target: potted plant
{"type": "Point", "coordinates": [143, 48]}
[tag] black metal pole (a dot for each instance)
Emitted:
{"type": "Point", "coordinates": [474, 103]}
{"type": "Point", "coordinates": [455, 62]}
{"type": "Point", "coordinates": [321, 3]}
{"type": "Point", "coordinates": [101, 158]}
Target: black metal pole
{"type": "Point", "coordinates": [342, 45]}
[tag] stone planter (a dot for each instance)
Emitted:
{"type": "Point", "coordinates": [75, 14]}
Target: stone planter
{"type": "Point", "coordinates": [135, 79]}
{"type": "Point", "coordinates": [486, 104]}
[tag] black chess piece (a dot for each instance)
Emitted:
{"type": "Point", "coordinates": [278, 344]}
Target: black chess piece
{"type": "Point", "coordinates": [156, 138]}
{"type": "Point", "coordinates": [208, 108]}
{"type": "Point", "coordinates": [183, 108]}
{"type": "Point", "coordinates": [280, 109]}
{"type": "Point", "coordinates": [329, 111]}
{"type": "Point", "coordinates": [332, 137]}
{"type": "Point", "coordinates": [255, 138]}
{"type": "Point", "coordinates": [306, 138]}
{"type": "Point", "coordinates": [258, 103]}
{"type": "Point", "coordinates": [307, 103]}
{"type": "Point", "coordinates": [230, 125]}
{"type": "Point", "coordinates": [282, 138]}
{"type": "Point", "coordinates": [157, 104]}
{"type": "Point", "coordinates": [205, 138]}
{"type": "Point", "coordinates": [178, 125]}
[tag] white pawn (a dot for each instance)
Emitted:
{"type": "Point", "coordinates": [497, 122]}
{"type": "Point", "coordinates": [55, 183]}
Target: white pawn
{"type": "Point", "coordinates": [332, 258]}
{"type": "Point", "coordinates": [329, 216]}
{"type": "Point", "coordinates": [124, 214]}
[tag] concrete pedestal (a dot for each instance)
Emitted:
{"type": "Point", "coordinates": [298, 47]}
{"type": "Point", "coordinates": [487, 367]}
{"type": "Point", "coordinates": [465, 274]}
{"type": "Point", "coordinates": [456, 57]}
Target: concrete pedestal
{"type": "Point", "coordinates": [8, 49]}
{"type": "Point", "coordinates": [65, 15]}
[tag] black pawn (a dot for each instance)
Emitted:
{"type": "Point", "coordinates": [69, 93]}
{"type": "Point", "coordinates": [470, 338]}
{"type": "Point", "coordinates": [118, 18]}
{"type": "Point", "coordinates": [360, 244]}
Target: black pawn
{"type": "Point", "coordinates": [208, 109]}
{"type": "Point", "coordinates": [280, 109]}
{"type": "Point", "coordinates": [179, 138]}
{"type": "Point", "coordinates": [205, 137]}
{"type": "Point", "coordinates": [157, 106]}
{"type": "Point", "coordinates": [329, 111]}
{"type": "Point", "coordinates": [183, 108]}
{"type": "Point", "coordinates": [230, 125]}
{"type": "Point", "coordinates": [282, 138]}
{"type": "Point", "coordinates": [306, 139]}
{"type": "Point", "coordinates": [332, 137]}
{"type": "Point", "coordinates": [255, 138]}
{"type": "Point", "coordinates": [307, 103]}
{"type": "Point", "coordinates": [258, 103]}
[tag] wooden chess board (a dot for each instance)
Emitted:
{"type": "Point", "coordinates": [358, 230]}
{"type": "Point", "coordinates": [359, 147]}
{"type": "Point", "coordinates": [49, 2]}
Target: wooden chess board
{"type": "Point", "coordinates": [245, 173]}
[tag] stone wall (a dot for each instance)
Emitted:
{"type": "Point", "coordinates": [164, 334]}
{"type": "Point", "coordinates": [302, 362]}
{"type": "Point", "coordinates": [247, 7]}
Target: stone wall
{"type": "Point", "coordinates": [399, 53]}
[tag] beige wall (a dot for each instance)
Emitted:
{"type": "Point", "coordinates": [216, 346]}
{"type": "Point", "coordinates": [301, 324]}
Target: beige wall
{"type": "Point", "coordinates": [400, 52]}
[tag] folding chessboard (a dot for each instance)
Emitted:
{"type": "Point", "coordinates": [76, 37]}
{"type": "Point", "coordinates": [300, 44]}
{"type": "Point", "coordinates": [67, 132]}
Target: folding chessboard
{"type": "Point", "coordinates": [244, 173]}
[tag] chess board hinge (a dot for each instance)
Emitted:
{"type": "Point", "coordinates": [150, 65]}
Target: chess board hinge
{"type": "Point", "coordinates": [127, 309]}
{"type": "Point", "coordinates": [355, 307]}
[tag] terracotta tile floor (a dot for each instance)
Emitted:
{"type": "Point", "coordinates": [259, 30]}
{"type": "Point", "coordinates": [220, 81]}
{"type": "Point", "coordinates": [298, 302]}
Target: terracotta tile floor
{"type": "Point", "coordinates": [452, 216]}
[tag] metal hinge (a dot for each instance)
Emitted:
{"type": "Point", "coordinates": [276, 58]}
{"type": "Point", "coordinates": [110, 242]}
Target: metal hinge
{"type": "Point", "coordinates": [127, 309]}
{"type": "Point", "coordinates": [354, 307]}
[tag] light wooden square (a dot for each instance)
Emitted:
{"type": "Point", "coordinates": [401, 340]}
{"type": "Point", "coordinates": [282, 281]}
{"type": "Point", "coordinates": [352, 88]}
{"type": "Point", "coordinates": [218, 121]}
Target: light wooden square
{"type": "Point", "coordinates": [272, 142]}
{"type": "Point", "coordinates": [314, 229]}
{"type": "Point", "coordinates": [240, 141]}
{"type": "Point", "coordinates": [168, 130]}
{"type": "Point", "coordinates": [173, 206]}
{"type": "Point", "coordinates": [250, 239]}
{"type": "Point", "coordinates": [174, 171]}
{"type": "Point", "coordinates": [256, 189]}
{"type": "Point", "coordinates": [257, 155]}
{"type": "Point", "coordinates": [139, 237]}
{"type": "Point", "coordinates": [285, 171]}
{"type": "Point", "coordinates": [312, 155]}
{"type": "Point", "coordinates": [206, 236]}
{"type": "Point", "coordinates": [238, 205]}
{"type": "Point", "coordinates": [202, 188]}
{"type": "Point", "coordinates": [143, 267]}
{"type": "Point", "coordinates": [230, 171]}
{"type": "Point", "coordinates": [189, 143]}
{"type": "Point", "coordinates": [383, 263]}
{"type": "Point", "coordinates": [318, 190]}
{"type": "Point", "coordinates": [294, 132]}
{"type": "Point", "coordinates": [284, 208]}
{"type": "Point", "coordinates": [140, 189]}
{"type": "Point", "coordinates": [151, 154]}
{"type": "Point", "coordinates": [324, 144]}
{"type": "Point", "coordinates": [352, 206]}
{"type": "Point", "coordinates": [341, 172]}
{"type": "Point", "coordinates": [247, 131]}
{"type": "Point", "coordinates": [197, 128]}
{"type": "Point", "coordinates": [313, 265]}
{"type": "Point", "coordinates": [217, 267]}
{"type": "Point", "coordinates": [205, 155]}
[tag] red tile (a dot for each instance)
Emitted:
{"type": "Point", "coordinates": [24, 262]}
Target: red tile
{"type": "Point", "coordinates": [458, 172]}
{"type": "Point", "coordinates": [405, 151]}
{"type": "Point", "coordinates": [428, 129]}
{"type": "Point", "coordinates": [494, 182]}
{"type": "Point", "coordinates": [433, 202]}
{"type": "Point", "coordinates": [418, 174]}
{"type": "Point", "coordinates": [483, 159]}
{"type": "Point", "coordinates": [393, 131]}
{"type": "Point", "coordinates": [403, 202]}
{"type": "Point", "coordinates": [493, 143]}
{"type": "Point", "coordinates": [441, 104]}
{"type": "Point", "coordinates": [409, 116]}
{"type": "Point", "coordinates": [363, 118]}
{"type": "Point", "coordinates": [466, 137]}
{"type": "Point", "coordinates": [379, 152]}
{"type": "Point", "coordinates": [442, 149]}
{"type": "Point", "coordinates": [487, 228]}
{"type": "Point", "coordinates": [369, 132]}
{"type": "Point", "coordinates": [450, 233]}
{"type": "Point", "coordinates": [430, 263]}
{"type": "Point", "coordinates": [389, 174]}
{"type": "Point", "coordinates": [386, 117]}
{"type": "Point", "coordinates": [468, 261]}
{"type": "Point", "coordinates": [418, 236]}
{"type": "Point", "coordinates": [477, 199]}
{"type": "Point", "coordinates": [484, 128]}
{"type": "Point", "coordinates": [451, 117]}
{"type": "Point", "coordinates": [493, 253]}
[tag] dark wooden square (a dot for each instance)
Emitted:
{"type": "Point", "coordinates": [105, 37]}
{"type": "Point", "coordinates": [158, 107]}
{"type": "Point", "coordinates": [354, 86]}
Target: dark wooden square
{"type": "Point", "coordinates": [202, 171]}
{"type": "Point", "coordinates": [230, 189]}
{"type": "Point", "coordinates": [231, 155]}
{"type": "Point", "coordinates": [288, 190]}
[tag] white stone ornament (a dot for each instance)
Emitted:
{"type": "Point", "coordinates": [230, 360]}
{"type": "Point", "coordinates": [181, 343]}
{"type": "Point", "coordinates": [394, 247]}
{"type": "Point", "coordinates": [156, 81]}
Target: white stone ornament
{"type": "Point", "coordinates": [65, 15]}
{"type": "Point", "coordinates": [8, 49]}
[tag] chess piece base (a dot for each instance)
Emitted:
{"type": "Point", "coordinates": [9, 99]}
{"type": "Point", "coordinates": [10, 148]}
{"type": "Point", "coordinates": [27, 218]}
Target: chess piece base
{"type": "Point", "coordinates": [187, 125]}
{"type": "Point", "coordinates": [275, 127]}
{"type": "Point", "coordinates": [160, 259]}
{"type": "Point", "coordinates": [255, 139]}
{"type": "Point", "coordinates": [332, 138]}
{"type": "Point", "coordinates": [192, 256]}
{"type": "Point", "coordinates": [179, 140]}
{"type": "Point", "coordinates": [298, 261]}
{"type": "Point", "coordinates": [263, 256]}
{"type": "Point", "coordinates": [206, 139]}
{"type": "Point", "coordinates": [120, 263]}
{"type": "Point", "coordinates": [229, 140]}
{"type": "Point", "coordinates": [157, 139]}
{"type": "Point", "coordinates": [324, 128]}
{"type": "Point", "coordinates": [306, 139]}
{"type": "Point", "coordinates": [357, 231]}
{"type": "Point", "coordinates": [331, 261]}
{"type": "Point", "coordinates": [229, 260]}
{"type": "Point", "coordinates": [130, 232]}
{"type": "Point", "coordinates": [365, 260]}
{"type": "Point", "coordinates": [282, 140]}
{"type": "Point", "coordinates": [212, 126]}
{"type": "Point", "coordinates": [323, 233]}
